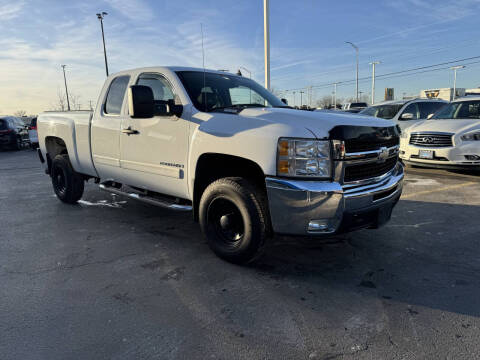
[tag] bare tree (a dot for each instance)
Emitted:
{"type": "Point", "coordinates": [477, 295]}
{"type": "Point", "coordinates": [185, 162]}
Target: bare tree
{"type": "Point", "coordinates": [325, 102]}
{"type": "Point", "coordinates": [75, 101]}
{"type": "Point", "coordinates": [20, 113]}
{"type": "Point", "coordinates": [363, 98]}
{"type": "Point", "coordinates": [61, 103]}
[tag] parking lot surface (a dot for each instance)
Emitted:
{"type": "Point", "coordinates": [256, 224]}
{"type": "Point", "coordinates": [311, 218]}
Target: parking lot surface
{"type": "Point", "coordinates": [114, 278]}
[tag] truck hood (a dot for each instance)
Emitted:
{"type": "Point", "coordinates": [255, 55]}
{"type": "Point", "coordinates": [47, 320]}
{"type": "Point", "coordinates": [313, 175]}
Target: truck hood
{"type": "Point", "coordinates": [449, 125]}
{"type": "Point", "coordinates": [319, 123]}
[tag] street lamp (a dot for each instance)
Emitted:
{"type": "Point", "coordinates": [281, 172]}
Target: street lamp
{"type": "Point", "coordinates": [100, 17]}
{"type": "Point", "coordinates": [301, 97]}
{"type": "Point", "coordinates": [373, 63]}
{"type": "Point", "coordinates": [455, 68]}
{"type": "Point", "coordinates": [66, 89]}
{"type": "Point", "coordinates": [266, 39]}
{"type": "Point", "coordinates": [356, 52]}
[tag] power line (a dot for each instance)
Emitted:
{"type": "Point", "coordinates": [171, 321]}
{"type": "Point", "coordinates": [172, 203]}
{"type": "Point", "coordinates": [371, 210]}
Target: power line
{"type": "Point", "coordinates": [382, 76]}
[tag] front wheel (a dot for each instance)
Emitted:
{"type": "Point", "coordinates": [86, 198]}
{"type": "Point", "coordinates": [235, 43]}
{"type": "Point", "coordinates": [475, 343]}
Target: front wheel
{"type": "Point", "coordinates": [233, 217]}
{"type": "Point", "coordinates": [67, 184]}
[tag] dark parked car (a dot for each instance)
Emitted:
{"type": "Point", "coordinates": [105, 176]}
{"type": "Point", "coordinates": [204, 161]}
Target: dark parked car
{"type": "Point", "coordinates": [13, 133]}
{"type": "Point", "coordinates": [32, 133]}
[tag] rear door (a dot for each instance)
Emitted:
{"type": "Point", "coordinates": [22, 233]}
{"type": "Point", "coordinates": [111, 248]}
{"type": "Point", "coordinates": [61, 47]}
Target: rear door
{"type": "Point", "coordinates": [155, 157]}
{"type": "Point", "coordinates": [106, 129]}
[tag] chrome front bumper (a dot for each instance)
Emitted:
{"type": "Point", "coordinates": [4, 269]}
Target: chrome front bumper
{"type": "Point", "coordinates": [299, 207]}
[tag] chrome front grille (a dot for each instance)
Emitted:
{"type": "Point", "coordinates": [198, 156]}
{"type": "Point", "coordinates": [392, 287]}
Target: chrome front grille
{"type": "Point", "coordinates": [370, 170]}
{"type": "Point", "coordinates": [431, 139]}
{"type": "Point", "coordinates": [369, 165]}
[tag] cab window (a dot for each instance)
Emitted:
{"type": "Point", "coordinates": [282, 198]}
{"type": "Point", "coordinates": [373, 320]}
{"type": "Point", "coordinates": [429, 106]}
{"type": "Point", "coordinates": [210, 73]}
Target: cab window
{"type": "Point", "coordinates": [116, 94]}
{"type": "Point", "coordinates": [162, 91]}
{"type": "Point", "coordinates": [411, 109]}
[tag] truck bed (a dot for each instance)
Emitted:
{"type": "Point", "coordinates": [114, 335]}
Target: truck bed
{"type": "Point", "coordinates": [73, 127]}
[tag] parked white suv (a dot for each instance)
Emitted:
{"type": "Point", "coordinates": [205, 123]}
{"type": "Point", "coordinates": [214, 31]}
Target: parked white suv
{"type": "Point", "coordinates": [405, 112]}
{"type": "Point", "coordinates": [450, 139]}
{"type": "Point", "coordinates": [227, 149]}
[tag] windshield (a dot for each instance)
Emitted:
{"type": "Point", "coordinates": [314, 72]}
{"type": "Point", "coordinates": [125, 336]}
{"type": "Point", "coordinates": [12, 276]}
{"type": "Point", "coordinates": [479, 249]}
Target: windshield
{"type": "Point", "coordinates": [213, 92]}
{"type": "Point", "coordinates": [382, 111]}
{"type": "Point", "coordinates": [459, 110]}
{"type": "Point", "coordinates": [359, 104]}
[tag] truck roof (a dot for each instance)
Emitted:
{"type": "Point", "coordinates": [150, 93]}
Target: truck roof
{"type": "Point", "coordinates": [467, 98]}
{"type": "Point", "coordinates": [170, 69]}
{"type": "Point", "coordinates": [401, 102]}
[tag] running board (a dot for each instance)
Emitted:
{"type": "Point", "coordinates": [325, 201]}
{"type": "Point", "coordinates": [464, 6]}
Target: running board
{"type": "Point", "coordinates": [148, 199]}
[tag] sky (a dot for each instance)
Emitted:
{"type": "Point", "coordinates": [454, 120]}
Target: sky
{"type": "Point", "coordinates": [307, 44]}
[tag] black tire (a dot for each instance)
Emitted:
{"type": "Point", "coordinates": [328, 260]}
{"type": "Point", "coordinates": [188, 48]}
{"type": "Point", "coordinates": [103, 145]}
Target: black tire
{"type": "Point", "coordinates": [67, 184]}
{"type": "Point", "coordinates": [234, 218]}
{"type": "Point", "coordinates": [18, 143]}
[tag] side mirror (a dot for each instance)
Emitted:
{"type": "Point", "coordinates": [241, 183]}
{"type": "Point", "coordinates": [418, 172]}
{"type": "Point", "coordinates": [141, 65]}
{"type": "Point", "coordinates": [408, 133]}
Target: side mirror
{"type": "Point", "coordinates": [174, 109]}
{"type": "Point", "coordinates": [430, 116]}
{"type": "Point", "coordinates": [407, 116]}
{"type": "Point", "coordinates": [285, 101]}
{"type": "Point", "coordinates": [140, 102]}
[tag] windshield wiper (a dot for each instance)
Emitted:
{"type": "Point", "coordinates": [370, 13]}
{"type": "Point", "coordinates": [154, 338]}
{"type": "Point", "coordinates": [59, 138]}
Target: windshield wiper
{"type": "Point", "coordinates": [238, 107]}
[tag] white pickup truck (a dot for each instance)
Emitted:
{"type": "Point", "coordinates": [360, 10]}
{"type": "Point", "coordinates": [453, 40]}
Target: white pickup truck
{"type": "Point", "coordinates": [224, 147]}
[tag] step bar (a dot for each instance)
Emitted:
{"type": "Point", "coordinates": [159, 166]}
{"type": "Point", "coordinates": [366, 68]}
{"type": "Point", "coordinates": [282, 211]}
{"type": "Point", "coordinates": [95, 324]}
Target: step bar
{"type": "Point", "coordinates": [147, 199]}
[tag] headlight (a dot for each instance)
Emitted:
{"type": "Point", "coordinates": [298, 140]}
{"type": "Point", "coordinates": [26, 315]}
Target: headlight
{"type": "Point", "coordinates": [304, 158]}
{"type": "Point", "coordinates": [471, 136]}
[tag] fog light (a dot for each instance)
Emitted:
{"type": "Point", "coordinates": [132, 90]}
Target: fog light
{"type": "Point", "coordinates": [318, 225]}
{"type": "Point", "coordinates": [472, 157]}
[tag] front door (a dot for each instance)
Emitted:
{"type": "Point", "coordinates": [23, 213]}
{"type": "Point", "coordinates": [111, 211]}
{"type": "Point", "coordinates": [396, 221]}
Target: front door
{"type": "Point", "coordinates": [154, 157]}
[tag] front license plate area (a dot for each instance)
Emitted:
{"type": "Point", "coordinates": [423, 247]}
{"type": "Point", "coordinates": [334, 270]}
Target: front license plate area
{"type": "Point", "coordinates": [425, 154]}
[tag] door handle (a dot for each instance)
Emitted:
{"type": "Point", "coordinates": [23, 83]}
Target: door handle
{"type": "Point", "coordinates": [130, 131]}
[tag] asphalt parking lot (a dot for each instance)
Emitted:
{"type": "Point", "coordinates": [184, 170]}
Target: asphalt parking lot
{"type": "Point", "coordinates": [114, 278]}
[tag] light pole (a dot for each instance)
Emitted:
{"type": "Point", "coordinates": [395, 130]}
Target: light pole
{"type": "Point", "coordinates": [266, 33]}
{"type": "Point", "coordinates": [66, 89]}
{"type": "Point", "coordinates": [249, 72]}
{"type": "Point", "coordinates": [100, 17]}
{"type": "Point", "coordinates": [373, 63]}
{"type": "Point", "coordinates": [455, 68]}
{"type": "Point", "coordinates": [356, 52]}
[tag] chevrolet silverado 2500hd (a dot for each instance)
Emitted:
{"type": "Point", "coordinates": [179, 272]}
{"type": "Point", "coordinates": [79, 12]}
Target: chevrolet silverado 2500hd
{"type": "Point", "coordinates": [224, 147]}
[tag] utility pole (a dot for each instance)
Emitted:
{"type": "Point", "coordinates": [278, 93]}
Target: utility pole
{"type": "Point", "coordinates": [335, 96]}
{"type": "Point", "coordinates": [100, 17]}
{"type": "Point", "coordinates": [455, 68]}
{"type": "Point", "coordinates": [301, 98]}
{"type": "Point", "coordinates": [66, 89]}
{"type": "Point", "coordinates": [356, 53]}
{"type": "Point", "coordinates": [310, 96]}
{"type": "Point", "coordinates": [373, 63]}
{"type": "Point", "coordinates": [266, 33]}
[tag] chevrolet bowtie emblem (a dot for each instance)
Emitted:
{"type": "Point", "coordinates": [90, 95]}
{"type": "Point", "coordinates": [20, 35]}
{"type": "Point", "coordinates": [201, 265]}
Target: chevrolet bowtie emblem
{"type": "Point", "coordinates": [383, 155]}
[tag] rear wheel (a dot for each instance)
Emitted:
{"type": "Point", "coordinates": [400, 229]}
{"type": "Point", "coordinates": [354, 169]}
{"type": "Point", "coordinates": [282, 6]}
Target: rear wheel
{"type": "Point", "coordinates": [67, 184]}
{"type": "Point", "coordinates": [233, 217]}
{"type": "Point", "coordinates": [17, 145]}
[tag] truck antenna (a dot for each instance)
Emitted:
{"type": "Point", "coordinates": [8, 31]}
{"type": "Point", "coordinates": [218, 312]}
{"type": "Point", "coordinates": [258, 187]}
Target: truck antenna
{"type": "Point", "coordinates": [203, 65]}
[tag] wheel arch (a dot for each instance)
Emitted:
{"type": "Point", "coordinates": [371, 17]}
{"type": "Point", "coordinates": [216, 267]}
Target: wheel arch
{"type": "Point", "coordinates": [213, 166]}
{"type": "Point", "coordinates": [54, 146]}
